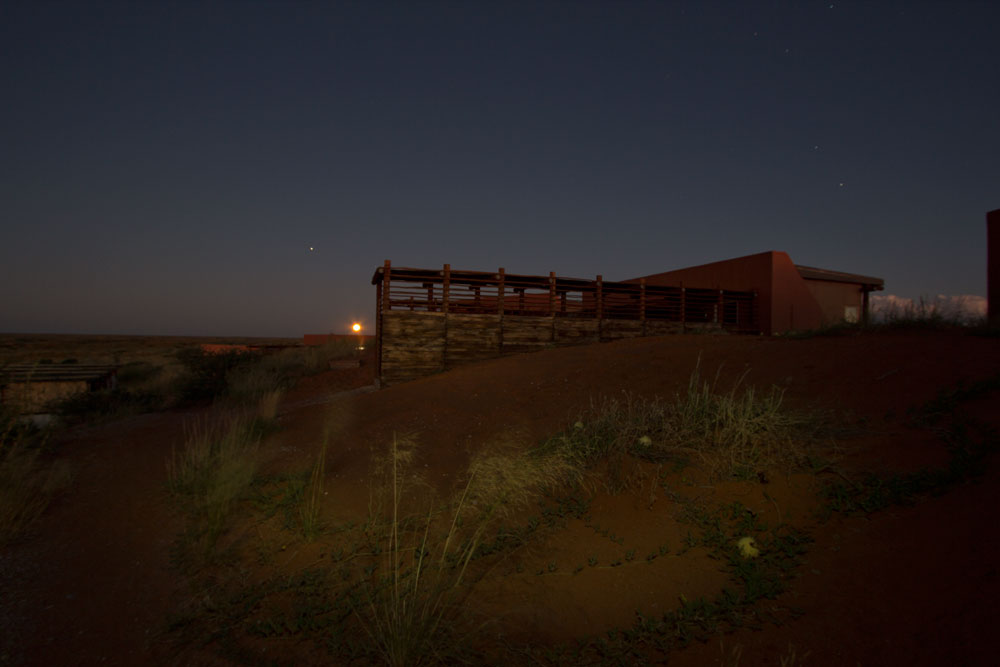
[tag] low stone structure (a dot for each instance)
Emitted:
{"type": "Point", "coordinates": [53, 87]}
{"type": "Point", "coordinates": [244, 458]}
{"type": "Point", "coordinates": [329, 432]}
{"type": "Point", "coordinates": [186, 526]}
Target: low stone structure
{"type": "Point", "coordinates": [33, 388]}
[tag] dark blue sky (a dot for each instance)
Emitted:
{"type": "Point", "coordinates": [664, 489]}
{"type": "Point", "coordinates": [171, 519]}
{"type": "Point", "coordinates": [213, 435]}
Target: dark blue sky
{"type": "Point", "coordinates": [165, 167]}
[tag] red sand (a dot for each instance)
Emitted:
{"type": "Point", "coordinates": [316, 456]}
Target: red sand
{"type": "Point", "coordinates": [908, 586]}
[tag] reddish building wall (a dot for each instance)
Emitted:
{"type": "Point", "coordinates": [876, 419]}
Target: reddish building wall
{"type": "Point", "coordinates": [784, 301]}
{"type": "Point", "coordinates": [793, 307]}
{"type": "Point", "coordinates": [752, 272]}
{"type": "Point", "coordinates": [993, 267]}
{"type": "Point", "coordinates": [834, 300]}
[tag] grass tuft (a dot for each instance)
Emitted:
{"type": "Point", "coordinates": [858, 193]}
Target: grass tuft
{"type": "Point", "coordinates": [732, 434]}
{"type": "Point", "coordinates": [309, 511]}
{"type": "Point", "coordinates": [211, 472]}
{"type": "Point", "coordinates": [414, 613]}
{"type": "Point", "coordinates": [27, 483]}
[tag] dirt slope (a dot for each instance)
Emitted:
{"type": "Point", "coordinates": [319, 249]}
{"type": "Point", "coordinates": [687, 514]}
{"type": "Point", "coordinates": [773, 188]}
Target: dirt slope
{"type": "Point", "coordinates": [912, 585]}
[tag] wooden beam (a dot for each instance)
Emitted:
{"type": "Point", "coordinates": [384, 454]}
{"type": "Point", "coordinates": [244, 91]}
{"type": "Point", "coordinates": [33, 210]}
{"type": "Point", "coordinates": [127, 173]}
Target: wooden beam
{"type": "Point", "coordinates": [552, 292]}
{"type": "Point", "coordinates": [500, 291]}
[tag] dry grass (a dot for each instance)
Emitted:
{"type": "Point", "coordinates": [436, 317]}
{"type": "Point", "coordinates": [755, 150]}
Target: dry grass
{"type": "Point", "coordinates": [27, 483]}
{"type": "Point", "coordinates": [414, 613]}
{"type": "Point", "coordinates": [211, 471]}
{"type": "Point", "coordinates": [309, 511]}
{"type": "Point", "coordinates": [737, 433]}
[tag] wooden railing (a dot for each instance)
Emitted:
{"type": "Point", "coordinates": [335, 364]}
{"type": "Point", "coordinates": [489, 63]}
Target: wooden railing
{"type": "Point", "coordinates": [476, 292]}
{"type": "Point", "coordinates": [431, 320]}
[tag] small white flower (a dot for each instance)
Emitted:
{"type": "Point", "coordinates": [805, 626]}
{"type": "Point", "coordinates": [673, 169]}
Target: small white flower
{"type": "Point", "coordinates": [645, 441]}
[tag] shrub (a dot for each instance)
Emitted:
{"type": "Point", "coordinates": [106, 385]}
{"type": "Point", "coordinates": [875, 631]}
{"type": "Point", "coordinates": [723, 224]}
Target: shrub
{"type": "Point", "coordinates": [243, 378]}
{"type": "Point", "coordinates": [211, 472]}
{"type": "Point", "coordinates": [734, 434]}
{"type": "Point", "coordinates": [206, 374]}
{"type": "Point", "coordinates": [97, 405]}
{"type": "Point", "coordinates": [27, 484]}
{"type": "Point", "coordinates": [414, 613]}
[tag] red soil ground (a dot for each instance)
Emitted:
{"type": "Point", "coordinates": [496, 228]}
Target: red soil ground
{"type": "Point", "coordinates": [910, 585]}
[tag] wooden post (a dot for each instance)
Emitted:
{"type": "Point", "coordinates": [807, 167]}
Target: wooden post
{"type": "Point", "coordinates": [500, 289]}
{"type": "Point", "coordinates": [600, 298]}
{"type": "Point", "coordinates": [378, 333]}
{"type": "Point", "coordinates": [447, 285]}
{"type": "Point", "coordinates": [500, 278]}
{"type": "Point", "coordinates": [600, 305]}
{"type": "Point", "coordinates": [993, 269]}
{"type": "Point", "coordinates": [718, 316]}
{"type": "Point", "coordinates": [383, 308]}
{"type": "Point", "coordinates": [552, 292]}
{"type": "Point", "coordinates": [446, 288]}
{"type": "Point", "coordinates": [386, 270]}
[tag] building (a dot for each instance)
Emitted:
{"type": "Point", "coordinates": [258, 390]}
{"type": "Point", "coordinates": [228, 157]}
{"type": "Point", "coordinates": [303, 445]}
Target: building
{"type": "Point", "coordinates": [790, 297]}
{"type": "Point", "coordinates": [430, 320]}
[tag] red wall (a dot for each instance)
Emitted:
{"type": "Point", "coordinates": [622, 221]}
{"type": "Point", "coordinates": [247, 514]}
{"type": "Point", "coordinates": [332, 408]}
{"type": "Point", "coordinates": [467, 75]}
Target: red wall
{"type": "Point", "coordinates": [993, 267]}
{"type": "Point", "coordinates": [793, 307]}
{"type": "Point", "coordinates": [783, 300]}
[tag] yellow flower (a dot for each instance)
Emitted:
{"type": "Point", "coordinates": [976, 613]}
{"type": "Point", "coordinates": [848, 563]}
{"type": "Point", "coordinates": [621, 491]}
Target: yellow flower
{"type": "Point", "coordinates": [578, 426]}
{"type": "Point", "coordinates": [645, 441]}
{"type": "Point", "coordinates": [748, 548]}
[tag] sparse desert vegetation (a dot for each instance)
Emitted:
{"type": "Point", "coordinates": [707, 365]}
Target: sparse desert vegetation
{"type": "Point", "coordinates": [409, 576]}
{"type": "Point", "coordinates": [633, 503]}
{"type": "Point", "coordinates": [28, 481]}
{"type": "Point", "coordinates": [247, 387]}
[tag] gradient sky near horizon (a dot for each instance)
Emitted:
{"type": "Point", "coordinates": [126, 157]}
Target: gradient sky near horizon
{"type": "Point", "coordinates": [165, 167]}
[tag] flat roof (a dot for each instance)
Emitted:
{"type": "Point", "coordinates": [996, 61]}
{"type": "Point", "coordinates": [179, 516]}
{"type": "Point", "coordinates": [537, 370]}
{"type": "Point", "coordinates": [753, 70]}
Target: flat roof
{"type": "Point", "coordinates": [812, 273]}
